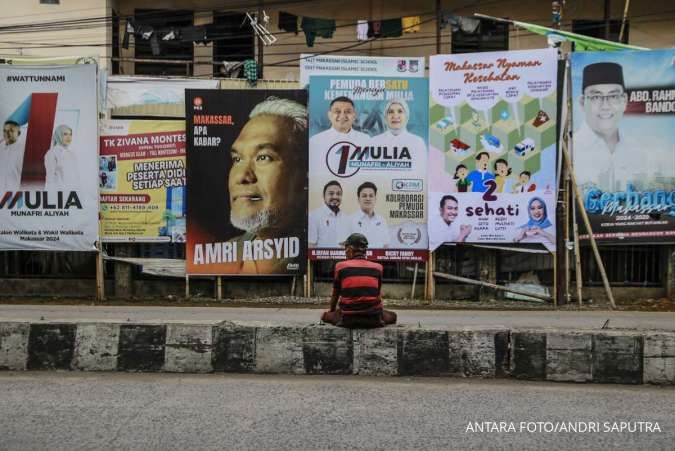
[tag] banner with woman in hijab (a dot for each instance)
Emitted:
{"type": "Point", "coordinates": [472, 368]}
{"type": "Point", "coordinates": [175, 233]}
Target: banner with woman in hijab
{"type": "Point", "coordinates": [493, 147]}
{"type": "Point", "coordinates": [368, 164]}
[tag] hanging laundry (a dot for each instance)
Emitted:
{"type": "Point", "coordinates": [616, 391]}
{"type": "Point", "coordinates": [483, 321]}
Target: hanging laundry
{"type": "Point", "coordinates": [362, 30]}
{"type": "Point", "coordinates": [392, 28]}
{"type": "Point", "coordinates": [313, 28]}
{"type": "Point", "coordinates": [469, 24]}
{"type": "Point", "coordinates": [251, 71]}
{"type": "Point", "coordinates": [154, 45]}
{"type": "Point", "coordinates": [288, 22]}
{"type": "Point", "coordinates": [374, 29]}
{"type": "Point", "coordinates": [194, 34]}
{"type": "Point", "coordinates": [448, 18]}
{"type": "Point", "coordinates": [411, 24]}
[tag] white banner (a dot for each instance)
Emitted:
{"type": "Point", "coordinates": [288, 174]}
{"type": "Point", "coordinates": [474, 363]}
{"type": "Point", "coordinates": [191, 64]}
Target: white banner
{"type": "Point", "coordinates": [48, 158]}
{"type": "Point", "coordinates": [492, 147]}
{"type": "Point", "coordinates": [368, 66]}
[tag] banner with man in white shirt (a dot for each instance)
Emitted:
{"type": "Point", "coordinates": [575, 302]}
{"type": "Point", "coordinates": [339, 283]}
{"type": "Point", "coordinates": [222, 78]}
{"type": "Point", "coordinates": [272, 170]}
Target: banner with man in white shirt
{"type": "Point", "coordinates": [368, 163]}
{"type": "Point", "coordinates": [492, 147]}
{"type": "Point", "coordinates": [623, 107]}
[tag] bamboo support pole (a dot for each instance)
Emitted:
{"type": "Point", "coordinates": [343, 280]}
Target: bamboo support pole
{"type": "Point", "coordinates": [587, 223]}
{"type": "Point", "coordinates": [538, 296]}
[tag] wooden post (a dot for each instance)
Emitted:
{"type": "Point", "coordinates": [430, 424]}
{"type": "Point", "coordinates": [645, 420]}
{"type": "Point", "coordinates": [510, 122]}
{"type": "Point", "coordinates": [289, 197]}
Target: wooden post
{"type": "Point", "coordinates": [439, 19]}
{"type": "Point", "coordinates": [219, 288]}
{"type": "Point", "coordinates": [100, 277]}
{"type": "Point", "coordinates": [587, 223]}
{"type": "Point", "coordinates": [429, 279]}
{"type": "Point", "coordinates": [412, 291]}
{"type": "Point", "coordinates": [623, 21]}
{"type": "Point", "coordinates": [577, 260]}
{"type": "Point", "coordinates": [187, 286]}
{"type": "Point", "coordinates": [308, 280]}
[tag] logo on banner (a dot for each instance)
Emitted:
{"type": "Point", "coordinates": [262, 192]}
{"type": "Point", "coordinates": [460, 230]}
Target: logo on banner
{"type": "Point", "coordinates": [407, 185]}
{"type": "Point", "coordinates": [197, 103]}
{"type": "Point", "coordinates": [345, 159]}
{"type": "Point", "coordinates": [409, 234]}
{"type": "Point", "coordinates": [414, 66]}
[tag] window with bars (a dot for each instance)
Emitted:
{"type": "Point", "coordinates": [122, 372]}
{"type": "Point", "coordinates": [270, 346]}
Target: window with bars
{"type": "Point", "coordinates": [233, 40]}
{"type": "Point", "coordinates": [489, 36]}
{"type": "Point", "coordinates": [163, 19]}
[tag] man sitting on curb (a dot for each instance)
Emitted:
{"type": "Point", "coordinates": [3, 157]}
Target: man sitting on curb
{"type": "Point", "coordinates": [357, 287]}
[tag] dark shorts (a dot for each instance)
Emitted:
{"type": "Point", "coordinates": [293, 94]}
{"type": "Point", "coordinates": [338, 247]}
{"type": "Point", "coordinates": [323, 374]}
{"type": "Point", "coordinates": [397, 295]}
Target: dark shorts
{"type": "Point", "coordinates": [381, 319]}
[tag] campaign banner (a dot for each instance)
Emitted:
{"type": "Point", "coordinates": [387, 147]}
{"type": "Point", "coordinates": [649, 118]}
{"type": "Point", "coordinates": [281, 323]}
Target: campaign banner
{"type": "Point", "coordinates": [141, 176]}
{"type": "Point", "coordinates": [624, 106]}
{"type": "Point", "coordinates": [368, 164]}
{"type": "Point", "coordinates": [48, 189]}
{"type": "Point", "coordinates": [363, 66]}
{"type": "Point", "coordinates": [492, 147]}
{"type": "Point", "coordinates": [247, 172]}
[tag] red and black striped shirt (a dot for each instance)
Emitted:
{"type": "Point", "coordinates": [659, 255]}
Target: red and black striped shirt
{"type": "Point", "coordinates": [358, 283]}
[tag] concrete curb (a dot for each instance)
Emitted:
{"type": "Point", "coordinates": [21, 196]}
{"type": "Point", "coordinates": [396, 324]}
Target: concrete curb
{"type": "Point", "coordinates": [562, 355]}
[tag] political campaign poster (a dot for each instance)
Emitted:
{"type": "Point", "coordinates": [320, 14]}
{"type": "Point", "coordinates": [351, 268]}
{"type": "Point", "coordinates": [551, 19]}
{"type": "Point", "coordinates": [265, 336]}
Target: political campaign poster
{"type": "Point", "coordinates": [247, 178]}
{"type": "Point", "coordinates": [141, 177]}
{"type": "Point", "coordinates": [493, 139]}
{"type": "Point", "coordinates": [48, 152]}
{"type": "Point", "coordinates": [363, 66]}
{"type": "Point", "coordinates": [623, 113]}
{"type": "Point", "coordinates": [368, 164]}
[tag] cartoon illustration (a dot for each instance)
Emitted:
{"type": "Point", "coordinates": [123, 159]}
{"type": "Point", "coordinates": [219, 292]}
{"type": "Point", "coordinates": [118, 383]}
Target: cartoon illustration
{"type": "Point", "coordinates": [524, 147]}
{"type": "Point", "coordinates": [502, 173]}
{"type": "Point", "coordinates": [491, 143]}
{"type": "Point", "coordinates": [541, 118]}
{"type": "Point", "coordinates": [459, 147]}
{"type": "Point", "coordinates": [445, 122]}
{"type": "Point", "coordinates": [462, 183]}
{"type": "Point", "coordinates": [524, 185]}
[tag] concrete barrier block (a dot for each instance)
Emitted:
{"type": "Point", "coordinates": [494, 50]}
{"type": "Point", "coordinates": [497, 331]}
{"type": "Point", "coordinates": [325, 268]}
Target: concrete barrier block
{"type": "Point", "coordinates": [51, 346]}
{"type": "Point", "coordinates": [568, 357]}
{"type": "Point", "coordinates": [141, 347]}
{"type": "Point", "coordinates": [96, 347]}
{"type": "Point", "coordinates": [375, 351]}
{"type": "Point", "coordinates": [617, 358]}
{"type": "Point", "coordinates": [234, 348]}
{"type": "Point", "coordinates": [528, 355]}
{"type": "Point", "coordinates": [472, 353]}
{"type": "Point", "coordinates": [188, 348]}
{"type": "Point", "coordinates": [328, 350]}
{"type": "Point", "coordinates": [423, 352]}
{"type": "Point", "coordinates": [502, 353]}
{"type": "Point", "coordinates": [659, 358]}
{"type": "Point", "coordinates": [279, 350]}
{"type": "Point", "coordinates": [13, 346]}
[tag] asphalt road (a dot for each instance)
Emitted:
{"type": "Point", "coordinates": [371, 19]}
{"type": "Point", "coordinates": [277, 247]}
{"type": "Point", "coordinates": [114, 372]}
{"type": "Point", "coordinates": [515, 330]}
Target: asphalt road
{"type": "Point", "coordinates": [457, 318]}
{"type": "Point", "coordinates": [68, 411]}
